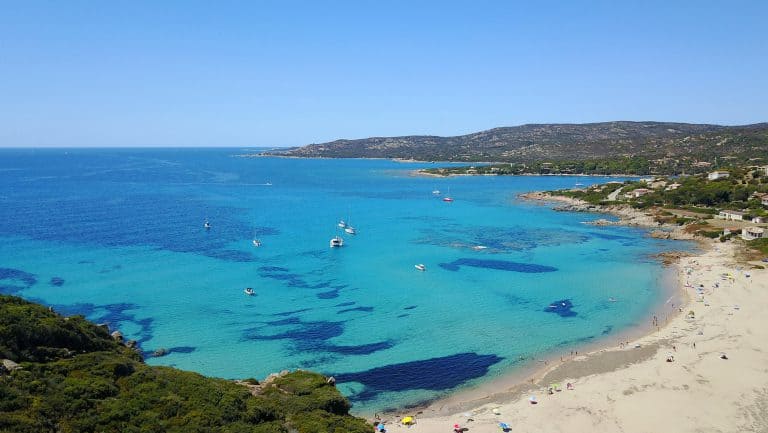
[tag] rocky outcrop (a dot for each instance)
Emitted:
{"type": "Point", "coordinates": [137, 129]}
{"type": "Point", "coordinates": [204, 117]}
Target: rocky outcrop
{"type": "Point", "coordinates": [8, 366]}
{"type": "Point", "coordinates": [628, 216]}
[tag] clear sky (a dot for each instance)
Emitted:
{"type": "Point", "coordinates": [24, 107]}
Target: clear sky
{"type": "Point", "coordinates": [281, 73]}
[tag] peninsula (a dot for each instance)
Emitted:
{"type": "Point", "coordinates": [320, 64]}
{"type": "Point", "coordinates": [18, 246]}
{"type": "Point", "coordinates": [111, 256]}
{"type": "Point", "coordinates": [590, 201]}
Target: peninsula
{"type": "Point", "coordinates": [620, 147]}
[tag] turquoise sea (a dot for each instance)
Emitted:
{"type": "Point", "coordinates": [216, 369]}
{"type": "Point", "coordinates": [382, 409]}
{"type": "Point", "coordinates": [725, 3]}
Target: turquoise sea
{"type": "Point", "coordinates": [117, 235]}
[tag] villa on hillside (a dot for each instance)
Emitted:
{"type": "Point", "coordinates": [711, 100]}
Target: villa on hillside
{"type": "Point", "coordinates": [635, 193]}
{"type": "Point", "coordinates": [759, 220]}
{"type": "Point", "coordinates": [715, 175]}
{"type": "Point", "coordinates": [765, 201]}
{"type": "Point", "coordinates": [751, 233]}
{"type": "Point", "coordinates": [672, 187]}
{"type": "Point", "coordinates": [731, 215]}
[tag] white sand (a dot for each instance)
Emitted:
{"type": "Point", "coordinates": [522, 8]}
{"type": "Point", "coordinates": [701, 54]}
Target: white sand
{"type": "Point", "coordinates": [635, 390]}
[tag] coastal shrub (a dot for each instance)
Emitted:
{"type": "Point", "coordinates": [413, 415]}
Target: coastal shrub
{"type": "Point", "coordinates": [80, 380]}
{"type": "Point", "coordinates": [682, 220]}
{"type": "Point", "coordinates": [710, 234]}
{"type": "Point", "coordinates": [759, 245]}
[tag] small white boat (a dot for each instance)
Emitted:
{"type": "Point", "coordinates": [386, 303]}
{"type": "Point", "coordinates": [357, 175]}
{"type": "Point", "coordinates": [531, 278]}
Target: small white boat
{"type": "Point", "coordinates": [479, 247]}
{"type": "Point", "coordinates": [249, 291]}
{"type": "Point", "coordinates": [337, 241]}
{"type": "Point", "coordinates": [436, 192]}
{"type": "Point", "coordinates": [351, 230]}
{"type": "Point", "coordinates": [342, 224]}
{"type": "Point", "coordinates": [256, 243]}
{"type": "Point", "coordinates": [207, 225]}
{"type": "Point", "coordinates": [420, 267]}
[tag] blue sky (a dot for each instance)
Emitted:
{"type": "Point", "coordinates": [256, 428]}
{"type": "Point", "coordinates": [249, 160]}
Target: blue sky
{"type": "Point", "coordinates": [281, 73]}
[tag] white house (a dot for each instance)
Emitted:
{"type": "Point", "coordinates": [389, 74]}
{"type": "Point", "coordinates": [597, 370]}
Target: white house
{"type": "Point", "coordinates": [635, 193]}
{"type": "Point", "coordinates": [715, 175]}
{"type": "Point", "coordinates": [759, 220]}
{"type": "Point", "coordinates": [764, 201]}
{"type": "Point", "coordinates": [672, 186]}
{"type": "Point", "coordinates": [731, 215]}
{"type": "Point", "coordinates": [750, 233]}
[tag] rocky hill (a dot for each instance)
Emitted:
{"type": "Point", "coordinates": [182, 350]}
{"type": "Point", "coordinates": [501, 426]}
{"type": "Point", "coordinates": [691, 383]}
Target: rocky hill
{"type": "Point", "coordinates": [539, 142]}
{"type": "Point", "coordinates": [64, 374]}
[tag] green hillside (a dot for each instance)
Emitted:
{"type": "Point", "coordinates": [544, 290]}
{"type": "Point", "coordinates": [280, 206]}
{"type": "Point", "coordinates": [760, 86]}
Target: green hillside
{"type": "Point", "coordinates": [74, 378]}
{"type": "Point", "coordinates": [667, 145]}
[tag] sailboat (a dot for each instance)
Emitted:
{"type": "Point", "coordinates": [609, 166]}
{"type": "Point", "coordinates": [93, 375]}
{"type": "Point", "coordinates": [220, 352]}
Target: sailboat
{"type": "Point", "coordinates": [448, 198]}
{"type": "Point", "coordinates": [349, 229]}
{"type": "Point", "coordinates": [256, 242]}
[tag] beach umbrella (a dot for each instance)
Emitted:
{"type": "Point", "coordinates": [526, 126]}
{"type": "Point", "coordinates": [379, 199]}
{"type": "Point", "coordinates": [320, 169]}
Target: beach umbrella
{"type": "Point", "coordinates": [407, 420]}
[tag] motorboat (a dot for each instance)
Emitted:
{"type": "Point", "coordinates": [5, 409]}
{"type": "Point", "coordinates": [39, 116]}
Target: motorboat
{"type": "Point", "coordinates": [207, 225]}
{"type": "Point", "coordinates": [351, 230]}
{"type": "Point", "coordinates": [420, 267]}
{"type": "Point", "coordinates": [249, 291]}
{"type": "Point", "coordinates": [436, 192]}
{"type": "Point", "coordinates": [337, 241]}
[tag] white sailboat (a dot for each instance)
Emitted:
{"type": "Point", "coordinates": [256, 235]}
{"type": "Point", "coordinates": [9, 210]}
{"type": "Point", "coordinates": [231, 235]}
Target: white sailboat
{"type": "Point", "coordinates": [448, 197]}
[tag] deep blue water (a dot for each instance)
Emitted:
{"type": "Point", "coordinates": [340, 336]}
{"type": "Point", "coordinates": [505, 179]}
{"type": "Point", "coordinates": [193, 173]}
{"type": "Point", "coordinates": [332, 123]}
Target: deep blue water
{"type": "Point", "coordinates": [117, 235]}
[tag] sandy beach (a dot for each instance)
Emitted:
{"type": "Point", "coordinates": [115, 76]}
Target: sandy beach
{"type": "Point", "coordinates": [632, 387]}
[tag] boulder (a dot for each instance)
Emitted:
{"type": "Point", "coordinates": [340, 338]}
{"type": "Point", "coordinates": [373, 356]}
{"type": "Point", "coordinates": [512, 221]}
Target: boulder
{"type": "Point", "coordinates": [9, 365]}
{"type": "Point", "coordinates": [160, 352]}
{"type": "Point", "coordinates": [118, 336]}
